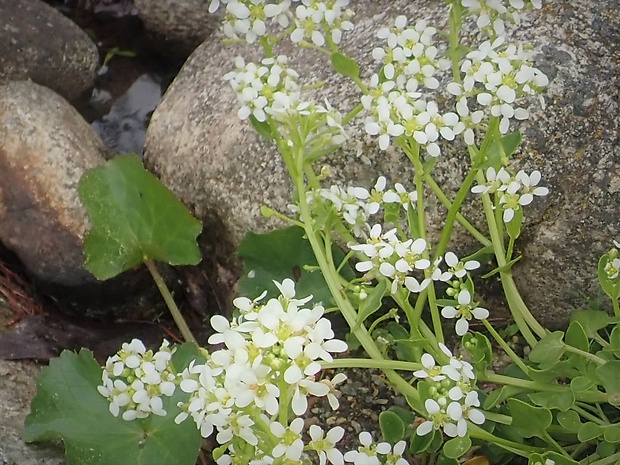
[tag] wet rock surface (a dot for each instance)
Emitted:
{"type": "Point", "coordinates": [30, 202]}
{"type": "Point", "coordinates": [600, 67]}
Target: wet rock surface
{"type": "Point", "coordinates": [217, 164]}
{"type": "Point", "coordinates": [185, 23]}
{"type": "Point", "coordinates": [45, 148]}
{"type": "Point", "coordinates": [38, 43]}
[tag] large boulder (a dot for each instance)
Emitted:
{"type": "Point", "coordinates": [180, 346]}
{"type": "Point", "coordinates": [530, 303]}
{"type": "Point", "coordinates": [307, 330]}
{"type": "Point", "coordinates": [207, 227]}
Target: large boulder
{"type": "Point", "coordinates": [185, 24]}
{"type": "Point", "coordinates": [218, 165]}
{"type": "Point", "coordinates": [39, 43]}
{"type": "Point", "coordinates": [45, 147]}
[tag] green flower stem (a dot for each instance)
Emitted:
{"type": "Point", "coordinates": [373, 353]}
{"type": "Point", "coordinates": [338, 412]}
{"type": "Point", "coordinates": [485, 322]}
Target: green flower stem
{"type": "Point", "coordinates": [587, 415]}
{"type": "Point", "coordinates": [172, 306]}
{"type": "Point", "coordinates": [522, 449]}
{"type": "Point", "coordinates": [574, 350]}
{"type": "Point", "coordinates": [453, 211]}
{"type": "Point", "coordinates": [611, 460]}
{"type": "Point", "coordinates": [371, 363]}
{"type": "Point", "coordinates": [333, 282]}
{"type": "Point", "coordinates": [616, 306]}
{"type": "Point", "coordinates": [511, 353]}
{"type": "Point", "coordinates": [352, 114]}
{"type": "Point", "coordinates": [589, 396]}
{"type": "Point", "coordinates": [555, 445]}
{"type": "Point", "coordinates": [510, 289]}
{"type": "Point", "coordinates": [413, 153]}
{"type": "Point", "coordinates": [456, 21]}
{"type": "Point", "coordinates": [419, 328]}
{"type": "Point", "coordinates": [459, 217]}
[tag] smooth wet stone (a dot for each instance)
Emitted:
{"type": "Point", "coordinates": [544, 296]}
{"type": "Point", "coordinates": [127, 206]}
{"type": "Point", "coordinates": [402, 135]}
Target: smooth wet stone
{"type": "Point", "coordinates": [219, 167]}
{"type": "Point", "coordinates": [45, 147]}
{"type": "Point", "coordinates": [39, 43]}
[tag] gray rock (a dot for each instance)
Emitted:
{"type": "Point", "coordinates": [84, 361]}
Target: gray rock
{"type": "Point", "coordinates": [38, 43]}
{"type": "Point", "coordinates": [17, 388]}
{"type": "Point", "coordinates": [216, 163]}
{"type": "Point", "coordinates": [45, 147]}
{"type": "Point", "coordinates": [186, 23]}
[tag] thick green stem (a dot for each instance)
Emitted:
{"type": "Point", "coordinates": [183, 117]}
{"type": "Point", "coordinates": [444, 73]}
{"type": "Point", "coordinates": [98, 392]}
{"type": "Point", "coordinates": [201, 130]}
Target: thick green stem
{"type": "Point", "coordinates": [470, 228]}
{"type": "Point", "coordinates": [372, 363]}
{"type": "Point", "coordinates": [333, 282]}
{"type": "Point", "coordinates": [513, 356]}
{"type": "Point", "coordinates": [172, 306]}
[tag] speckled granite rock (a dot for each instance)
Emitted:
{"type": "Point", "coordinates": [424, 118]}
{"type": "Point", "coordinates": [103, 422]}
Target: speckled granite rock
{"type": "Point", "coordinates": [185, 23]}
{"type": "Point", "coordinates": [45, 147]}
{"type": "Point", "coordinates": [216, 164]}
{"type": "Point", "coordinates": [38, 43]}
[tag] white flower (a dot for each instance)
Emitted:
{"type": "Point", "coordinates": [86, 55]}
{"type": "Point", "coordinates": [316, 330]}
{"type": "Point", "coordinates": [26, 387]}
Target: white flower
{"type": "Point", "coordinates": [465, 311]}
{"type": "Point", "coordinates": [325, 444]}
{"type": "Point", "coordinates": [290, 443]}
{"type": "Point", "coordinates": [366, 454]}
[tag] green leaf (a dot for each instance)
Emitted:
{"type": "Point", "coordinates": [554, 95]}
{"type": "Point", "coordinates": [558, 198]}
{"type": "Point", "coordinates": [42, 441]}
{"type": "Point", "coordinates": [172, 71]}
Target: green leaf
{"type": "Point", "coordinates": [609, 374]}
{"type": "Point", "coordinates": [283, 253]}
{"type": "Point", "coordinates": [263, 128]}
{"type": "Point", "coordinates": [576, 336]}
{"type": "Point", "coordinates": [557, 459]}
{"type": "Point", "coordinates": [68, 407]}
{"type": "Point", "coordinates": [610, 287]}
{"type": "Point", "coordinates": [443, 460]}
{"type": "Point", "coordinates": [344, 65]}
{"type": "Point", "coordinates": [421, 444]}
{"type": "Point", "coordinates": [499, 395]}
{"type": "Point", "coordinates": [614, 342]}
{"type": "Point", "coordinates": [504, 148]}
{"type": "Point", "coordinates": [513, 227]}
{"type": "Point", "coordinates": [392, 426]}
{"type": "Point", "coordinates": [592, 321]}
{"type": "Point", "coordinates": [479, 348]}
{"type": "Point", "coordinates": [589, 431]}
{"type": "Point", "coordinates": [134, 218]}
{"type": "Point", "coordinates": [502, 268]}
{"type": "Point", "coordinates": [570, 421]}
{"type": "Point", "coordinates": [605, 449]}
{"type": "Point", "coordinates": [528, 420]}
{"type": "Point", "coordinates": [554, 400]}
{"type": "Point", "coordinates": [549, 349]}
{"type": "Point", "coordinates": [612, 433]}
{"type": "Point", "coordinates": [456, 447]}
{"type": "Point", "coordinates": [371, 303]}
{"type": "Point", "coordinates": [581, 383]}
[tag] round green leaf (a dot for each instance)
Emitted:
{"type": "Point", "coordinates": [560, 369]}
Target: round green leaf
{"type": "Point", "coordinates": [134, 218]}
{"type": "Point", "coordinates": [528, 420]}
{"type": "Point", "coordinates": [68, 407]}
{"type": "Point", "coordinates": [549, 349]}
{"type": "Point", "coordinates": [392, 426]}
{"type": "Point", "coordinates": [589, 431]}
{"type": "Point", "coordinates": [456, 447]}
{"type": "Point", "coordinates": [612, 433]}
{"type": "Point", "coordinates": [571, 421]}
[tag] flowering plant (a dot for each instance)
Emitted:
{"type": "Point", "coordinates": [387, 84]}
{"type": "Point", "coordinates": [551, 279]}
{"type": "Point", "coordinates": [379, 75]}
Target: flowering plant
{"type": "Point", "coordinates": [556, 405]}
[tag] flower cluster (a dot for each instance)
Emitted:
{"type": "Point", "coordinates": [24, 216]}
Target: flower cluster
{"type": "Point", "coordinates": [313, 20]}
{"type": "Point", "coordinates": [357, 204]}
{"type": "Point", "coordinates": [492, 13]}
{"type": "Point", "coordinates": [374, 454]}
{"type": "Point", "coordinates": [394, 104]}
{"type": "Point", "coordinates": [453, 399]}
{"type": "Point", "coordinates": [271, 351]}
{"type": "Point", "coordinates": [498, 74]}
{"type": "Point", "coordinates": [393, 258]}
{"type": "Point", "coordinates": [268, 88]}
{"type": "Point", "coordinates": [135, 379]}
{"type": "Point", "coordinates": [514, 192]}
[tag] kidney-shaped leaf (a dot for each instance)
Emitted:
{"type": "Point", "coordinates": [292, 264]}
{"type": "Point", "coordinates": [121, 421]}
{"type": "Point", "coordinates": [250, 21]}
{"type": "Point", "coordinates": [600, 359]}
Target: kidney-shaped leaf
{"type": "Point", "coordinates": [68, 407]}
{"type": "Point", "coordinates": [134, 218]}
